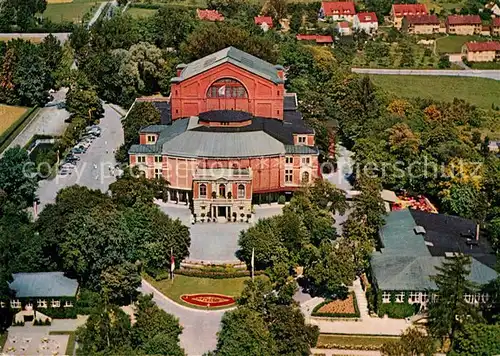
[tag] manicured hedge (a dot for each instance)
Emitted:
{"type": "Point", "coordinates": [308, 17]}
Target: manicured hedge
{"type": "Point", "coordinates": [398, 310]}
{"type": "Point", "coordinates": [202, 273]}
{"type": "Point", "coordinates": [60, 313]}
{"type": "Point", "coordinates": [337, 315]}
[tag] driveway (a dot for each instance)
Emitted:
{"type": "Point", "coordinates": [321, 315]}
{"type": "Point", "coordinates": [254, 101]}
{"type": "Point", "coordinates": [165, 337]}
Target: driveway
{"type": "Point", "coordinates": [92, 170]}
{"type": "Point", "coordinates": [489, 74]}
{"type": "Point", "coordinates": [214, 242]}
{"type": "Point", "coordinates": [200, 327]}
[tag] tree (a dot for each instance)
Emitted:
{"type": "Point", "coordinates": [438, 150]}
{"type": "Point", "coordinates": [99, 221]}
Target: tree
{"type": "Point", "coordinates": [51, 52]}
{"type": "Point", "coordinates": [369, 206]}
{"type": "Point", "coordinates": [330, 272]}
{"type": "Point", "coordinates": [142, 114]}
{"type": "Point", "coordinates": [357, 235]}
{"type": "Point", "coordinates": [84, 103]}
{"type": "Point", "coordinates": [120, 283]}
{"type": "Point", "coordinates": [444, 62]}
{"type": "Point", "coordinates": [155, 331]}
{"type": "Point", "coordinates": [106, 331]}
{"type": "Point", "coordinates": [403, 141]}
{"type": "Point", "coordinates": [17, 178]}
{"type": "Point", "coordinates": [327, 196]}
{"type": "Point", "coordinates": [412, 342]}
{"type": "Point", "coordinates": [20, 13]}
{"type": "Point", "coordinates": [171, 26]}
{"type": "Point", "coordinates": [478, 339]}
{"type": "Point", "coordinates": [244, 332]}
{"type": "Point", "coordinates": [450, 310]}
{"type": "Point", "coordinates": [277, 9]}
{"type": "Point", "coordinates": [464, 200]}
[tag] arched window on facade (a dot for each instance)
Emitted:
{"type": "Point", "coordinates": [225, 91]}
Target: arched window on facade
{"type": "Point", "coordinates": [305, 177]}
{"type": "Point", "coordinates": [227, 88]}
{"type": "Point", "coordinates": [222, 190]}
{"type": "Point", "coordinates": [203, 190]}
{"type": "Point", "coordinates": [241, 191]}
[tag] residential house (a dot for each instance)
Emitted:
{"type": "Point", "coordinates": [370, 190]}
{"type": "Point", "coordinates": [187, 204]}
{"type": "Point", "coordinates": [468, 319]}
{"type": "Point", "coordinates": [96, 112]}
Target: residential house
{"type": "Point", "coordinates": [264, 22]}
{"type": "Point", "coordinates": [463, 25]}
{"type": "Point", "coordinates": [494, 146]}
{"type": "Point", "coordinates": [337, 10]}
{"type": "Point", "coordinates": [495, 27]}
{"type": "Point", "coordinates": [319, 39]}
{"type": "Point", "coordinates": [365, 21]}
{"type": "Point", "coordinates": [399, 11]}
{"type": "Point", "coordinates": [495, 9]}
{"type": "Point", "coordinates": [230, 134]}
{"type": "Point", "coordinates": [209, 15]}
{"type": "Point", "coordinates": [420, 24]}
{"type": "Point", "coordinates": [414, 243]}
{"type": "Point", "coordinates": [40, 290]}
{"type": "Point", "coordinates": [481, 51]}
{"type": "Point", "coordinates": [343, 28]}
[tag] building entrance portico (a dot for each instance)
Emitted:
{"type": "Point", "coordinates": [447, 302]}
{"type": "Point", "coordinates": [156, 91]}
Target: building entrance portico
{"type": "Point", "coordinates": [221, 211]}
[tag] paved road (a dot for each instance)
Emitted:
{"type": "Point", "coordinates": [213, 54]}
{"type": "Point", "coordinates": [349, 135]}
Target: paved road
{"type": "Point", "coordinates": [61, 36]}
{"type": "Point", "coordinates": [96, 15]}
{"type": "Point", "coordinates": [200, 327]}
{"type": "Point", "coordinates": [489, 74]}
{"type": "Point", "coordinates": [93, 169]}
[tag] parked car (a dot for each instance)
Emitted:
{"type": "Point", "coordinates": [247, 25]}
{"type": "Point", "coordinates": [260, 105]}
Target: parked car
{"type": "Point", "coordinates": [72, 158]}
{"type": "Point", "coordinates": [77, 150]}
{"type": "Point", "coordinates": [64, 172]}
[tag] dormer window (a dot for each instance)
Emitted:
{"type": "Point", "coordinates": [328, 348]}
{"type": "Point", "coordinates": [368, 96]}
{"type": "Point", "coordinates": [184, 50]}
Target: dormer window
{"type": "Point", "coordinates": [302, 140]}
{"type": "Point", "coordinates": [151, 138]}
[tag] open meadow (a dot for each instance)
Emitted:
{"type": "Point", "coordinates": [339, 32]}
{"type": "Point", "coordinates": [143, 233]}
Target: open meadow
{"type": "Point", "coordinates": [478, 91]}
{"type": "Point", "coordinates": [73, 11]}
{"type": "Point", "coordinates": [9, 115]}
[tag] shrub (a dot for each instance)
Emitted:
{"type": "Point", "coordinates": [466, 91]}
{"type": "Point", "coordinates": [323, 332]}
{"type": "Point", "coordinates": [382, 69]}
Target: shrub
{"type": "Point", "coordinates": [281, 199]}
{"type": "Point", "coordinates": [207, 273]}
{"type": "Point", "coordinates": [61, 313]}
{"type": "Point", "coordinates": [398, 310]}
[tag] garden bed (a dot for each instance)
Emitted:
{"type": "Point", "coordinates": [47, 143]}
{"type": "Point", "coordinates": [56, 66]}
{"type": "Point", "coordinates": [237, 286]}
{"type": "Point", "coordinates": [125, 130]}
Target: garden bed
{"type": "Point", "coordinates": [208, 300]}
{"type": "Point", "coordinates": [347, 308]}
{"type": "Point", "coordinates": [353, 342]}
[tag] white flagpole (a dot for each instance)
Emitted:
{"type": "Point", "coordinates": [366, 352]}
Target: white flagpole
{"type": "Point", "coordinates": [253, 262]}
{"type": "Point", "coordinates": [172, 263]}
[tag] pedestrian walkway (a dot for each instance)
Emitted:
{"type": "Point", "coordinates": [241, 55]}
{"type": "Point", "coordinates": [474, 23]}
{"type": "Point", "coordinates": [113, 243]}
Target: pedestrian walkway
{"type": "Point", "coordinates": [361, 299]}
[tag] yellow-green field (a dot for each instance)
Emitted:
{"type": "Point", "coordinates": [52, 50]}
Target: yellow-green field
{"type": "Point", "coordinates": [478, 91]}
{"type": "Point", "coordinates": [69, 11]}
{"type": "Point", "coordinates": [26, 38]}
{"type": "Point", "coordinates": [137, 12]}
{"type": "Point", "coordinates": [9, 115]}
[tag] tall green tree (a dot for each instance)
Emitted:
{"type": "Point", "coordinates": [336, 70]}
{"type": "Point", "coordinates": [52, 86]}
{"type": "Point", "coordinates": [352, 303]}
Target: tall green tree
{"type": "Point", "coordinates": [477, 339]}
{"type": "Point", "coordinates": [17, 178]}
{"type": "Point", "coordinates": [449, 311]}
{"type": "Point", "coordinates": [412, 342]}
{"type": "Point", "coordinates": [120, 283]}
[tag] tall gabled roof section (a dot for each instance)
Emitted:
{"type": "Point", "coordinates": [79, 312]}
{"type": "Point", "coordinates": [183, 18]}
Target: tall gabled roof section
{"type": "Point", "coordinates": [234, 56]}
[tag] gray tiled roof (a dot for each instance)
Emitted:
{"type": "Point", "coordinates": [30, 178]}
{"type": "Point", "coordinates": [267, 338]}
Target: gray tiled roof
{"type": "Point", "coordinates": [223, 144]}
{"type": "Point", "coordinates": [405, 261]}
{"type": "Point", "coordinates": [234, 56]}
{"type": "Point", "coordinates": [301, 150]}
{"type": "Point", "coordinates": [43, 284]}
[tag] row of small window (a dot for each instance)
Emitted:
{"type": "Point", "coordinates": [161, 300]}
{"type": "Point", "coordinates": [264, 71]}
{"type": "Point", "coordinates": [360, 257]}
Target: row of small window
{"type": "Point", "coordinates": [222, 191]}
{"type": "Point", "coordinates": [423, 297]}
{"type": "Point", "coordinates": [302, 139]}
{"type": "Point", "coordinates": [289, 176]}
{"type": "Point", "coordinates": [142, 159]}
{"type": "Point", "coordinates": [304, 160]}
{"type": "Point", "coordinates": [41, 303]}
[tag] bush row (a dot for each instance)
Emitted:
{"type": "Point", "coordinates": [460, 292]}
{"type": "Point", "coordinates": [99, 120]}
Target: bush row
{"type": "Point", "coordinates": [156, 6]}
{"type": "Point", "coordinates": [398, 310]}
{"type": "Point", "coordinates": [201, 273]}
{"type": "Point", "coordinates": [60, 313]}
{"type": "Point", "coordinates": [351, 347]}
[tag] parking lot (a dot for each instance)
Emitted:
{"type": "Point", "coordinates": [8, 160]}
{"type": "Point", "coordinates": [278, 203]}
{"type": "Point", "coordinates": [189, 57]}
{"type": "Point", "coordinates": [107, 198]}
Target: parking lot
{"type": "Point", "coordinates": [93, 168]}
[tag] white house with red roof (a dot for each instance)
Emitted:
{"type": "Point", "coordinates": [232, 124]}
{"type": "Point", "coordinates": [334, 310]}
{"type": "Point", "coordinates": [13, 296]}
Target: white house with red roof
{"type": "Point", "coordinates": [338, 10]}
{"type": "Point", "coordinates": [398, 11]}
{"type": "Point", "coordinates": [365, 21]}
{"type": "Point", "coordinates": [343, 28]}
{"type": "Point", "coordinates": [264, 22]}
{"type": "Point", "coordinates": [482, 51]}
{"type": "Point", "coordinates": [209, 15]}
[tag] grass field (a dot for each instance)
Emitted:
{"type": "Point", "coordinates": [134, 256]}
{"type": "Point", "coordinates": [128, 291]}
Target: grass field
{"type": "Point", "coordinates": [73, 11]}
{"type": "Point", "coordinates": [9, 115]}
{"type": "Point", "coordinates": [192, 285]}
{"type": "Point", "coordinates": [353, 340]}
{"type": "Point", "coordinates": [138, 12]}
{"type": "Point", "coordinates": [478, 91]}
{"type": "Point", "coordinates": [453, 44]}
{"type": "Point", "coordinates": [26, 38]}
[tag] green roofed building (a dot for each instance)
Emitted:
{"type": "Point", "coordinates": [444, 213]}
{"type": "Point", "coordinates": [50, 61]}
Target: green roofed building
{"type": "Point", "coordinates": [42, 290]}
{"type": "Point", "coordinates": [414, 243]}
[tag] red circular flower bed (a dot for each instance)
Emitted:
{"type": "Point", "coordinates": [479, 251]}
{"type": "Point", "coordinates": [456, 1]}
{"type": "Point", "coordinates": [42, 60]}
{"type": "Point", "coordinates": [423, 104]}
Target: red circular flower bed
{"type": "Point", "coordinates": [209, 300]}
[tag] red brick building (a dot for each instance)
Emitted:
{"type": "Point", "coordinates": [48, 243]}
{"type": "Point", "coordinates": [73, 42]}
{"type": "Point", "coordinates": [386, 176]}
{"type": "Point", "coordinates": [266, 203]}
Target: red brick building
{"type": "Point", "coordinates": [229, 134]}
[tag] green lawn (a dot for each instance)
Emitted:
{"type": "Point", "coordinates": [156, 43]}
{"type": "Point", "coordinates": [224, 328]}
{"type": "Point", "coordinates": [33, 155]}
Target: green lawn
{"type": "Point", "coordinates": [453, 44]}
{"type": "Point", "coordinates": [478, 91]}
{"type": "Point", "coordinates": [485, 65]}
{"type": "Point", "coordinates": [137, 12]}
{"type": "Point", "coordinates": [73, 12]}
{"type": "Point", "coordinates": [351, 341]}
{"type": "Point", "coordinates": [192, 285]}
